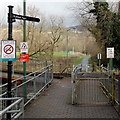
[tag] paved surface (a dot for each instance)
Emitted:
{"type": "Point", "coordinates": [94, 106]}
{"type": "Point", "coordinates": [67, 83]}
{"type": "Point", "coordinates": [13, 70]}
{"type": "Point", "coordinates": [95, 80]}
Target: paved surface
{"type": "Point", "coordinates": [55, 102]}
{"type": "Point", "coordinates": [85, 63]}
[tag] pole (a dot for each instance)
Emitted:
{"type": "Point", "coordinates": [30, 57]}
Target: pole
{"type": "Point", "coordinates": [24, 40]}
{"type": "Point", "coordinates": [67, 46]}
{"type": "Point", "coordinates": [10, 21]}
{"type": "Point", "coordinates": [119, 94]}
{"type": "Point", "coordinates": [67, 50]}
{"type": "Point", "coordinates": [111, 64]}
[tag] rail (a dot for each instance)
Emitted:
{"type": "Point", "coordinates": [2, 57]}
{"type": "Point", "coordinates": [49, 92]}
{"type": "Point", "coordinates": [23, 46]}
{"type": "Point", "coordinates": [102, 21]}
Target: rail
{"type": "Point", "coordinates": [16, 109]}
{"type": "Point", "coordinates": [109, 81]}
{"type": "Point", "coordinates": [112, 87]}
{"type": "Point", "coordinates": [74, 75]}
{"type": "Point", "coordinates": [33, 84]}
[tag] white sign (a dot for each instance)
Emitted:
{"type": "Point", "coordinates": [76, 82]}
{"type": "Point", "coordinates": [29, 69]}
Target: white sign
{"type": "Point", "coordinates": [23, 47]}
{"type": "Point", "coordinates": [110, 52]}
{"type": "Point", "coordinates": [8, 49]}
{"type": "Point", "coordinates": [99, 56]}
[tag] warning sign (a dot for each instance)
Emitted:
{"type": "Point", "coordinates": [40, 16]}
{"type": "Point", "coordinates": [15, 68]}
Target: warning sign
{"type": "Point", "coordinates": [23, 47]}
{"type": "Point", "coordinates": [24, 57]}
{"type": "Point", "coordinates": [8, 50]}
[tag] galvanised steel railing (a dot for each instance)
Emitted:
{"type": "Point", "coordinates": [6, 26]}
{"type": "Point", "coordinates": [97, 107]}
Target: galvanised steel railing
{"type": "Point", "coordinates": [108, 80]}
{"type": "Point", "coordinates": [33, 84]}
{"type": "Point", "coordinates": [74, 75]}
{"type": "Point", "coordinates": [16, 109]}
{"type": "Point", "coordinates": [112, 87]}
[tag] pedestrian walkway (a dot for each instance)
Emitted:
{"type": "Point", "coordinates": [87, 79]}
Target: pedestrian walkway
{"type": "Point", "coordinates": [55, 102]}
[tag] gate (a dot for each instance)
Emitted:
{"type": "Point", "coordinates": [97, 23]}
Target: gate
{"type": "Point", "coordinates": [89, 88]}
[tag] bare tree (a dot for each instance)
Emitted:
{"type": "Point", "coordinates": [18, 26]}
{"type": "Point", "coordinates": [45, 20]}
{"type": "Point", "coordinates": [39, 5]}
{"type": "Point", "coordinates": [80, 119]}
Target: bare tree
{"type": "Point", "coordinates": [55, 32]}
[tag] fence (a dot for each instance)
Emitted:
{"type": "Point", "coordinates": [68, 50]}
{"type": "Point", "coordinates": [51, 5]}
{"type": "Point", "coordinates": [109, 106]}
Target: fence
{"type": "Point", "coordinates": [33, 84]}
{"type": "Point", "coordinates": [31, 66]}
{"type": "Point", "coordinates": [112, 87]}
{"type": "Point", "coordinates": [74, 75]}
{"type": "Point", "coordinates": [16, 109]}
{"type": "Point", "coordinates": [107, 79]}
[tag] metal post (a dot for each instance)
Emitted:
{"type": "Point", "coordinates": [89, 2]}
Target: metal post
{"type": "Point", "coordinates": [73, 89]}
{"type": "Point", "coordinates": [99, 65]}
{"type": "Point", "coordinates": [111, 64]}
{"type": "Point", "coordinates": [22, 108]}
{"type": "Point", "coordinates": [34, 83]}
{"type": "Point", "coordinates": [52, 72]}
{"type": "Point", "coordinates": [113, 88]}
{"type": "Point", "coordinates": [67, 51]}
{"type": "Point", "coordinates": [46, 75]}
{"type": "Point", "coordinates": [24, 40]}
{"type": "Point", "coordinates": [119, 94]}
{"type": "Point", "coordinates": [10, 21]}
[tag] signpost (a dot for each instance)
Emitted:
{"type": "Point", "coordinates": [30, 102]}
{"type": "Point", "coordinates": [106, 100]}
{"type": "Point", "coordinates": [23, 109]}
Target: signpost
{"type": "Point", "coordinates": [9, 49]}
{"type": "Point", "coordinates": [99, 59]}
{"type": "Point", "coordinates": [110, 56]}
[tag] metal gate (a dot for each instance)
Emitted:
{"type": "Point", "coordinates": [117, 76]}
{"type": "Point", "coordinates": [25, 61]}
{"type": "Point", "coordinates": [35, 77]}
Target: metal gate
{"type": "Point", "coordinates": [89, 88]}
{"type": "Point", "coordinates": [89, 91]}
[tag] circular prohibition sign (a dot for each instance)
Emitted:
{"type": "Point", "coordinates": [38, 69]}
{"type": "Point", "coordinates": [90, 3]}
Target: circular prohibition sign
{"type": "Point", "coordinates": [8, 49]}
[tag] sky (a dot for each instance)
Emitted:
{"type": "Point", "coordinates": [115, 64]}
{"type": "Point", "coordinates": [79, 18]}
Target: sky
{"type": "Point", "coordinates": [46, 7]}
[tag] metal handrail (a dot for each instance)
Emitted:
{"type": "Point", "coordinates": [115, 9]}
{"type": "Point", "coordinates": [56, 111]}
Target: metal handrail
{"type": "Point", "coordinates": [73, 81]}
{"type": "Point", "coordinates": [25, 76]}
{"type": "Point", "coordinates": [115, 85]}
{"type": "Point", "coordinates": [18, 112]}
{"type": "Point", "coordinates": [41, 77]}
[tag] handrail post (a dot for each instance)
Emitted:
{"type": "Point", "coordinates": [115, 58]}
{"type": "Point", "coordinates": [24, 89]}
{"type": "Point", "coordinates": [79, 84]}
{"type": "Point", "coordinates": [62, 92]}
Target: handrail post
{"type": "Point", "coordinates": [34, 83]}
{"type": "Point", "coordinates": [16, 91]}
{"type": "Point", "coordinates": [119, 94]}
{"type": "Point", "coordinates": [52, 72]}
{"type": "Point", "coordinates": [73, 89]}
{"type": "Point", "coordinates": [22, 108]}
{"type": "Point", "coordinates": [46, 76]}
{"type": "Point", "coordinates": [113, 88]}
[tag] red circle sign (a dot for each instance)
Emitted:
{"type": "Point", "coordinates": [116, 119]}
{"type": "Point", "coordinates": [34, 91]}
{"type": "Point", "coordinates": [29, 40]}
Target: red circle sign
{"type": "Point", "coordinates": [8, 49]}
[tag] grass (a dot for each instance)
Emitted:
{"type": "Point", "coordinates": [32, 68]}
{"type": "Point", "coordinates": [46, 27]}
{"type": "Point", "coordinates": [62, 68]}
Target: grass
{"type": "Point", "coordinates": [59, 54]}
{"type": "Point", "coordinates": [79, 60]}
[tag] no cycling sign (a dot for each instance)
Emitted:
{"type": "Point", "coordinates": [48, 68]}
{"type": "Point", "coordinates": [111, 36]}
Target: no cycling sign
{"type": "Point", "coordinates": [8, 52]}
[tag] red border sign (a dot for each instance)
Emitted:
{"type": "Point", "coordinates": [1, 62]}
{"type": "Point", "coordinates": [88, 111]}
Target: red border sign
{"type": "Point", "coordinates": [8, 49]}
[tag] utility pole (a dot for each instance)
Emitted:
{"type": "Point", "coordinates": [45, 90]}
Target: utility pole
{"type": "Point", "coordinates": [67, 45]}
{"type": "Point", "coordinates": [24, 40]}
{"type": "Point", "coordinates": [67, 49]}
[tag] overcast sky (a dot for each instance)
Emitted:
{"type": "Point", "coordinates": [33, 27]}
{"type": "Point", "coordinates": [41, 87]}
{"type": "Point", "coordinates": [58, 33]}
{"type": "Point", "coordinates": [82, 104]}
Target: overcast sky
{"type": "Point", "coordinates": [48, 8]}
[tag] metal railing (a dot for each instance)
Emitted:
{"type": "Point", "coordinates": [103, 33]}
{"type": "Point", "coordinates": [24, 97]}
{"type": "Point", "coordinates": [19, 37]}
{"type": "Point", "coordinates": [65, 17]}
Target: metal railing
{"type": "Point", "coordinates": [108, 80]}
{"type": "Point", "coordinates": [112, 87]}
{"type": "Point", "coordinates": [74, 75]}
{"type": "Point", "coordinates": [16, 109]}
{"type": "Point", "coordinates": [33, 84]}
